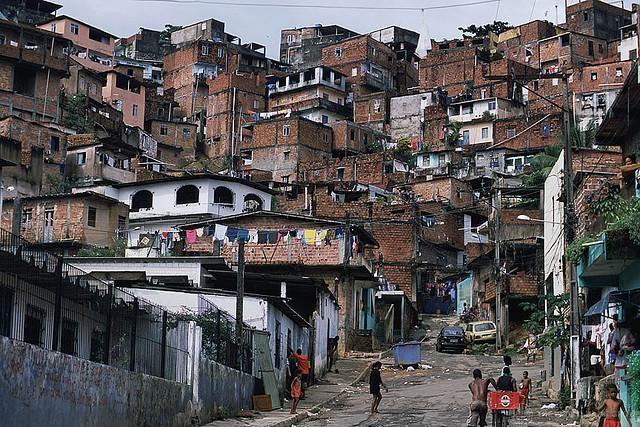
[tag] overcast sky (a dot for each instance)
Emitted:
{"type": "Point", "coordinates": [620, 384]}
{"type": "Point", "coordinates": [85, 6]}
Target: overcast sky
{"type": "Point", "coordinates": [263, 24]}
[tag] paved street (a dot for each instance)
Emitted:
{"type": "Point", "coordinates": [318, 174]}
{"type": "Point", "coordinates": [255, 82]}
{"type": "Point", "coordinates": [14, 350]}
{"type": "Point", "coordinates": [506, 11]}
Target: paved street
{"type": "Point", "coordinates": [433, 397]}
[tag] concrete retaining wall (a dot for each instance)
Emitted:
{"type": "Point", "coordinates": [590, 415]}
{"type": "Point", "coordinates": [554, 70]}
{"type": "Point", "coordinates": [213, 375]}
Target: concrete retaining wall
{"type": "Point", "coordinates": [39, 387]}
{"type": "Point", "coordinates": [222, 390]}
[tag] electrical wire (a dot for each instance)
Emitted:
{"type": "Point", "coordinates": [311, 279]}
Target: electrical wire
{"type": "Point", "coordinates": [322, 6]}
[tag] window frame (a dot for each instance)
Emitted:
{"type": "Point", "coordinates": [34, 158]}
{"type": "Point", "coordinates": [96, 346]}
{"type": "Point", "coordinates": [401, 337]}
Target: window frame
{"type": "Point", "coordinates": [92, 216]}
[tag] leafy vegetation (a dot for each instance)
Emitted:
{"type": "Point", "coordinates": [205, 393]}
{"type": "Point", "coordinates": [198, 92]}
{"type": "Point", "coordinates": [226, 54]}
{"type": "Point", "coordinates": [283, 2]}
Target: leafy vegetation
{"type": "Point", "coordinates": [541, 165]}
{"type": "Point", "coordinates": [483, 30]}
{"type": "Point", "coordinates": [634, 376]}
{"type": "Point", "coordinates": [75, 114]}
{"type": "Point", "coordinates": [487, 116]}
{"type": "Point", "coordinates": [575, 250]}
{"type": "Point", "coordinates": [404, 149]}
{"type": "Point", "coordinates": [556, 333]}
{"type": "Point", "coordinates": [98, 252]}
{"type": "Point", "coordinates": [584, 138]}
{"type": "Point", "coordinates": [454, 135]}
{"type": "Point", "coordinates": [54, 184]}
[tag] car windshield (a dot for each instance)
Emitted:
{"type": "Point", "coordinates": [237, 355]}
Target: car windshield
{"type": "Point", "coordinates": [452, 331]}
{"type": "Point", "coordinates": [484, 327]}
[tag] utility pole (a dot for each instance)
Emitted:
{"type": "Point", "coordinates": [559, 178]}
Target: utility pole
{"type": "Point", "coordinates": [240, 302]}
{"type": "Point", "coordinates": [569, 234]}
{"type": "Point", "coordinates": [497, 206]}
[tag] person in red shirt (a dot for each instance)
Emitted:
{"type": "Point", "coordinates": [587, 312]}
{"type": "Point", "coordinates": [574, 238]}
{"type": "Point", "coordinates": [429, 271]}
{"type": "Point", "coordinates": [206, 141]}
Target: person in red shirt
{"type": "Point", "coordinates": [303, 368]}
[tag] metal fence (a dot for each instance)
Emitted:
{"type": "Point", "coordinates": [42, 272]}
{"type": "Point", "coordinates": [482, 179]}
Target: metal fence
{"type": "Point", "coordinates": [47, 302]}
{"type": "Point", "coordinates": [219, 341]}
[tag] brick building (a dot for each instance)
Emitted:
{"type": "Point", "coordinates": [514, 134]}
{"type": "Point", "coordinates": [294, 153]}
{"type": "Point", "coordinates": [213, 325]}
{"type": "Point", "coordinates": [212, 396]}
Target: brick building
{"type": "Point", "coordinates": [279, 146]}
{"type": "Point", "coordinates": [350, 138]}
{"type": "Point", "coordinates": [92, 47]}
{"type": "Point", "coordinates": [316, 93]}
{"type": "Point", "coordinates": [404, 43]}
{"type": "Point", "coordinates": [68, 222]}
{"type": "Point", "coordinates": [32, 64]}
{"type": "Point", "coordinates": [180, 135]}
{"type": "Point", "coordinates": [368, 64]}
{"type": "Point", "coordinates": [302, 47]}
{"type": "Point", "coordinates": [126, 94]}
{"type": "Point", "coordinates": [597, 18]}
{"type": "Point", "coordinates": [28, 11]}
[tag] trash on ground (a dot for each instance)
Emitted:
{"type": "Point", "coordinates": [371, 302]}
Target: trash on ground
{"type": "Point", "coordinates": [549, 406]}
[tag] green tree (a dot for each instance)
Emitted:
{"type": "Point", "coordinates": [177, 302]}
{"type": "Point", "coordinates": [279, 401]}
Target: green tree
{"type": "Point", "coordinates": [556, 332]}
{"type": "Point", "coordinates": [454, 135]}
{"type": "Point", "coordinates": [165, 35]}
{"type": "Point", "coordinates": [483, 30]}
{"type": "Point", "coordinates": [541, 165]}
{"type": "Point", "coordinates": [75, 114]}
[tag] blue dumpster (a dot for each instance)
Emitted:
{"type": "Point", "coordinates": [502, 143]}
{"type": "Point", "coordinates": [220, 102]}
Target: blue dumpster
{"type": "Point", "coordinates": [407, 353]}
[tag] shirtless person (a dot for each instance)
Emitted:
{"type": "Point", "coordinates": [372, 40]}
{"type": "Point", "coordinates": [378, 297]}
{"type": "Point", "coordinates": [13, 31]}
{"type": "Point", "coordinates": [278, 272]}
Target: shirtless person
{"type": "Point", "coordinates": [525, 389]}
{"type": "Point", "coordinates": [479, 391]}
{"type": "Point", "coordinates": [613, 406]}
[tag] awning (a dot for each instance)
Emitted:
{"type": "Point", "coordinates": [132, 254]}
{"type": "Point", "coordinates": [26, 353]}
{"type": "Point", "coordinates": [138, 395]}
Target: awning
{"type": "Point", "coordinates": [630, 297]}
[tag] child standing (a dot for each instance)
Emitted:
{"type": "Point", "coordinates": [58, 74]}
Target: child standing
{"type": "Point", "coordinates": [296, 391]}
{"type": "Point", "coordinates": [525, 389]}
{"type": "Point", "coordinates": [613, 405]}
{"type": "Point", "coordinates": [375, 381]}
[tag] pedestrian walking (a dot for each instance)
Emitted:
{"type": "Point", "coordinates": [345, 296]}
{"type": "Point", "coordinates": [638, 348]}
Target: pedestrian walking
{"type": "Point", "coordinates": [303, 369]}
{"type": "Point", "coordinates": [505, 381]}
{"type": "Point", "coordinates": [478, 408]}
{"type": "Point", "coordinates": [375, 382]}
{"type": "Point", "coordinates": [296, 391]}
{"type": "Point", "coordinates": [525, 389]}
{"type": "Point", "coordinates": [613, 406]}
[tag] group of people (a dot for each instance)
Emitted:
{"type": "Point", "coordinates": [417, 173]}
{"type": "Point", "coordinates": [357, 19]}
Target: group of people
{"type": "Point", "coordinates": [479, 389]}
{"type": "Point", "coordinates": [604, 348]}
{"type": "Point", "coordinates": [298, 371]}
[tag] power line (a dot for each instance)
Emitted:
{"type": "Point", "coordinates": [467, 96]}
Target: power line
{"type": "Point", "coordinates": [322, 6]}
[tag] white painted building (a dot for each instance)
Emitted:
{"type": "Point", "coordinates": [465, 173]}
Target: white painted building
{"type": "Point", "coordinates": [157, 206]}
{"type": "Point", "coordinates": [467, 111]}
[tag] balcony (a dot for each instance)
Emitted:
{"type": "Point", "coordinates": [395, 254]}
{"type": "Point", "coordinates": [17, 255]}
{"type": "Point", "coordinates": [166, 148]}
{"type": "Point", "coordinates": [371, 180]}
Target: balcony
{"type": "Point", "coordinates": [36, 56]}
{"type": "Point", "coordinates": [612, 260]}
{"type": "Point", "coordinates": [9, 152]}
{"type": "Point", "coordinates": [113, 174]}
{"type": "Point", "coordinates": [374, 81]}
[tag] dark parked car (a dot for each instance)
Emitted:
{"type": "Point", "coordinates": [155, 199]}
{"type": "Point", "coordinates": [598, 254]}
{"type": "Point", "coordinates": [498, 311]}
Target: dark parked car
{"type": "Point", "coordinates": [451, 338]}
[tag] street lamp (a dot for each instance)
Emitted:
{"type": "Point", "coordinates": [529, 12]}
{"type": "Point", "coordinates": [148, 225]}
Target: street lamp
{"type": "Point", "coordinates": [528, 218]}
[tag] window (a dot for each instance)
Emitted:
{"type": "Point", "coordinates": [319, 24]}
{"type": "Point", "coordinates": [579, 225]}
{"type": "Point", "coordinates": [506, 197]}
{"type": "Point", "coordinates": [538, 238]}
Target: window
{"type": "Point", "coordinates": [3, 39]}
{"type": "Point", "coordinates": [24, 81]}
{"type": "Point", "coordinates": [483, 93]}
{"type": "Point", "coordinates": [287, 154]}
{"type": "Point", "coordinates": [34, 325]}
{"type": "Point", "coordinates": [27, 217]}
{"type": "Point", "coordinates": [465, 137]}
{"type": "Point", "coordinates": [565, 40]}
{"type": "Point", "coordinates": [325, 119]}
{"type": "Point", "coordinates": [91, 217]}
{"type": "Point", "coordinates": [54, 143]}
{"type": "Point", "coordinates": [188, 194]}
{"type": "Point", "coordinates": [511, 133]}
{"type": "Point", "coordinates": [485, 133]}
{"type": "Point", "coordinates": [252, 203]}
{"type": "Point", "coordinates": [285, 179]}
{"type": "Point", "coordinates": [286, 130]}
{"type": "Point", "coordinates": [585, 16]}
{"type": "Point", "coordinates": [354, 71]}
{"type": "Point", "coordinates": [256, 104]}
{"type": "Point", "coordinates": [338, 52]}
{"type": "Point", "coordinates": [134, 110]}
{"type": "Point", "coordinates": [186, 132]}
{"type": "Point", "coordinates": [467, 109]}
{"type": "Point", "coordinates": [340, 101]}
{"type": "Point", "coordinates": [325, 96]}
{"type": "Point", "coordinates": [223, 196]}
{"type": "Point", "coordinates": [594, 76]}
{"type": "Point", "coordinates": [633, 54]}
{"type": "Point", "coordinates": [122, 226]}
{"type": "Point", "coordinates": [130, 72]}
{"type": "Point", "coordinates": [377, 107]}
{"type": "Point", "coordinates": [600, 48]}
{"type": "Point", "coordinates": [81, 158]}
{"type": "Point", "coordinates": [352, 134]}
{"type": "Point", "coordinates": [53, 28]}
{"type": "Point", "coordinates": [164, 130]}
{"type": "Point", "coordinates": [74, 28]}
{"type": "Point", "coordinates": [69, 337]}
{"type": "Point", "coordinates": [142, 199]}
{"type": "Point", "coordinates": [618, 72]}
{"type": "Point", "coordinates": [206, 49]}
{"type": "Point", "coordinates": [325, 138]}
{"type": "Point", "coordinates": [591, 51]}
{"type": "Point", "coordinates": [291, 38]}
{"type": "Point", "coordinates": [6, 305]}
{"type": "Point", "coordinates": [220, 52]}
{"type": "Point", "coordinates": [340, 174]}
